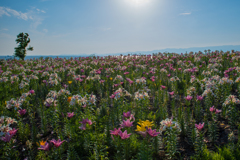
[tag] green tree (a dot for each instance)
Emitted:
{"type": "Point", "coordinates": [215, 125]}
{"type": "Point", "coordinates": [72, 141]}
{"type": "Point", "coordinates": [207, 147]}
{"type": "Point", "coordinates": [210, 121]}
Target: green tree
{"type": "Point", "coordinates": [22, 41]}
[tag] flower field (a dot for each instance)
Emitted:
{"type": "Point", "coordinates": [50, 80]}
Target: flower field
{"type": "Point", "coordinates": [145, 107]}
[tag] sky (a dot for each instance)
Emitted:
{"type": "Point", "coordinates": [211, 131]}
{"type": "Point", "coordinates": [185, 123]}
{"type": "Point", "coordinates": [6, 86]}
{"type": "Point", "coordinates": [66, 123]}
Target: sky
{"type": "Point", "coordinates": [58, 27]}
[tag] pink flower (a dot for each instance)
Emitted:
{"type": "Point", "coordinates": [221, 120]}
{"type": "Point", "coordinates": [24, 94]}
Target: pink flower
{"type": "Point", "coordinates": [57, 143]}
{"type": "Point", "coordinates": [84, 122]}
{"type": "Point", "coordinates": [188, 98]}
{"type": "Point", "coordinates": [126, 123]}
{"type": "Point", "coordinates": [70, 115]}
{"type": "Point", "coordinates": [199, 126]}
{"type": "Point", "coordinates": [31, 91]}
{"type": "Point", "coordinates": [212, 109]}
{"type": "Point", "coordinates": [199, 98]}
{"type": "Point", "coordinates": [126, 73]}
{"type": "Point", "coordinates": [7, 137]}
{"type": "Point", "coordinates": [124, 134]}
{"type": "Point", "coordinates": [22, 112]}
{"type": "Point", "coordinates": [218, 111]}
{"type": "Point", "coordinates": [152, 133]}
{"type": "Point", "coordinates": [45, 147]}
{"type": "Point", "coordinates": [163, 87]}
{"type": "Point", "coordinates": [171, 93]}
{"type": "Point", "coordinates": [83, 127]}
{"type": "Point", "coordinates": [13, 131]}
{"type": "Point", "coordinates": [127, 114]}
{"type": "Point", "coordinates": [115, 131]}
{"type": "Point", "coordinates": [112, 96]}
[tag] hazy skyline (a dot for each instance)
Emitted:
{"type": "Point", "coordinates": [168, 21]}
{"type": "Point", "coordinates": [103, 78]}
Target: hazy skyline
{"type": "Point", "coordinates": [58, 27]}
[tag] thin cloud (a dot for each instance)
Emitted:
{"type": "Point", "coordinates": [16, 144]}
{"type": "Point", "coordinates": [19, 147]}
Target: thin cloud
{"type": "Point", "coordinates": [9, 12]}
{"type": "Point", "coordinates": [39, 10]}
{"type": "Point", "coordinates": [3, 12]}
{"type": "Point", "coordinates": [45, 30]}
{"type": "Point", "coordinates": [186, 13]}
{"type": "Point", "coordinates": [4, 29]}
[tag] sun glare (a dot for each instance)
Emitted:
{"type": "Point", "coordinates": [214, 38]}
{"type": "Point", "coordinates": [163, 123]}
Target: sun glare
{"type": "Point", "coordinates": [138, 3]}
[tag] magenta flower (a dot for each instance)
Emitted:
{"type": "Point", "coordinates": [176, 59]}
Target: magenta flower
{"type": "Point", "coordinates": [57, 143]}
{"type": "Point", "coordinates": [44, 147]}
{"type": "Point", "coordinates": [22, 112]}
{"type": "Point", "coordinates": [163, 87]}
{"type": "Point", "coordinates": [126, 73]}
{"type": "Point", "coordinates": [152, 133]}
{"type": "Point", "coordinates": [212, 109]}
{"type": "Point", "coordinates": [218, 111]}
{"type": "Point", "coordinates": [13, 131]}
{"type": "Point", "coordinates": [112, 96]}
{"type": "Point", "coordinates": [199, 98]}
{"type": "Point", "coordinates": [115, 131]}
{"type": "Point", "coordinates": [188, 98]}
{"type": "Point", "coordinates": [126, 123]}
{"type": "Point", "coordinates": [84, 122]}
{"type": "Point", "coordinates": [31, 91]}
{"type": "Point", "coordinates": [127, 114]}
{"type": "Point", "coordinates": [7, 137]}
{"type": "Point", "coordinates": [70, 115]}
{"type": "Point", "coordinates": [171, 93]}
{"type": "Point", "coordinates": [199, 126]}
{"type": "Point", "coordinates": [124, 134]}
{"type": "Point", "coordinates": [83, 127]}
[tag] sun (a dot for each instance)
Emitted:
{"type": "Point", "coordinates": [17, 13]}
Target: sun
{"type": "Point", "coordinates": [138, 2]}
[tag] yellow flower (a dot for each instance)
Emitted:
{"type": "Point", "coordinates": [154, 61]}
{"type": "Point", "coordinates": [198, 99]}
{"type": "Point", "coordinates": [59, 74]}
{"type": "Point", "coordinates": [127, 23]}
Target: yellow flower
{"type": "Point", "coordinates": [42, 143]}
{"type": "Point", "coordinates": [69, 99]}
{"type": "Point", "coordinates": [69, 82]}
{"type": "Point", "coordinates": [110, 78]}
{"type": "Point", "coordinates": [5, 102]}
{"type": "Point", "coordinates": [143, 125]}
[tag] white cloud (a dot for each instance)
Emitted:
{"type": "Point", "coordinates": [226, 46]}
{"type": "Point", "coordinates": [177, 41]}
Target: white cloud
{"type": "Point", "coordinates": [3, 12]}
{"type": "Point", "coordinates": [45, 30]}
{"type": "Point", "coordinates": [39, 10]}
{"type": "Point", "coordinates": [186, 13]}
{"type": "Point", "coordinates": [9, 12]}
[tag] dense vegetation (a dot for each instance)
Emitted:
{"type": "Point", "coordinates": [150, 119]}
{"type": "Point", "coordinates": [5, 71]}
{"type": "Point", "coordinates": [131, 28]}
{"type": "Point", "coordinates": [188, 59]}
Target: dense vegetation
{"type": "Point", "coordinates": [160, 106]}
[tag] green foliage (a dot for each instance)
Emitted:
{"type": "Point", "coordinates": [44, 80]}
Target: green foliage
{"type": "Point", "coordinates": [22, 40]}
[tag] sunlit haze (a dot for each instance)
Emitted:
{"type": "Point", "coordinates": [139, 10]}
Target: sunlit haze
{"type": "Point", "coordinates": [58, 27]}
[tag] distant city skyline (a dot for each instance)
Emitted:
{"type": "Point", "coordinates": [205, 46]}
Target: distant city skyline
{"type": "Point", "coordinates": [80, 27]}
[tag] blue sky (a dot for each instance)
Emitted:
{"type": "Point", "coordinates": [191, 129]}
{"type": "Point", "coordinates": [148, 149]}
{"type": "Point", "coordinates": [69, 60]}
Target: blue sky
{"type": "Point", "coordinates": [113, 26]}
